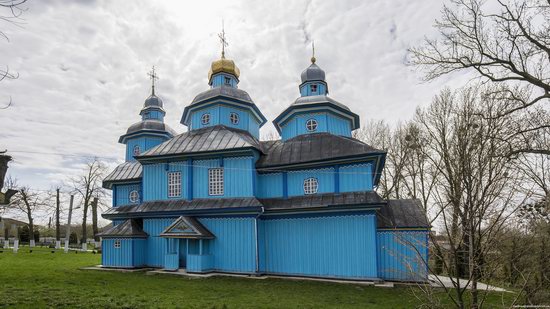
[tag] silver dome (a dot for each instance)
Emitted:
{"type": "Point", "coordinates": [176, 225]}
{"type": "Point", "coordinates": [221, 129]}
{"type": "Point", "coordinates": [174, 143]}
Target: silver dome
{"type": "Point", "coordinates": [313, 73]}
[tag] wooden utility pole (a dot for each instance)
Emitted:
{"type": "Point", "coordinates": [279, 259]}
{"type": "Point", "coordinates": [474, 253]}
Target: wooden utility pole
{"type": "Point", "coordinates": [94, 219]}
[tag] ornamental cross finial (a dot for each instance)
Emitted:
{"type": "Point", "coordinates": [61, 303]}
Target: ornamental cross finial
{"type": "Point", "coordinates": [153, 76]}
{"type": "Point", "coordinates": [223, 40]}
{"type": "Point", "coordinates": [313, 52]}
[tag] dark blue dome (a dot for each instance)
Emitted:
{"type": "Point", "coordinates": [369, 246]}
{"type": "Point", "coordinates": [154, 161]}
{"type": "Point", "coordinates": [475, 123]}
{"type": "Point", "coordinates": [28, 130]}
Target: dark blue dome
{"type": "Point", "coordinates": [313, 73]}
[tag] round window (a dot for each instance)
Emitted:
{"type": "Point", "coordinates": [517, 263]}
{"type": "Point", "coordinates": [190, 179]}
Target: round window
{"type": "Point", "coordinates": [311, 185]}
{"type": "Point", "coordinates": [137, 151]}
{"type": "Point", "coordinates": [205, 119]}
{"type": "Point", "coordinates": [311, 125]}
{"type": "Point", "coordinates": [234, 118]}
{"type": "Point", "coordinates": [134, 196]}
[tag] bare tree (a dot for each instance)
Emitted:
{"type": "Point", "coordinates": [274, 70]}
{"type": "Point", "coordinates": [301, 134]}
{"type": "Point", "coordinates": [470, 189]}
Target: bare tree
{"type": "Point", "coordinates": [509, 47]}
{"type": "Point", "coordinates": [88, 186]}
{"type": "Point", "coordinates": [26, 202]}
{"type": "Point", "coordinates": [11, 13]}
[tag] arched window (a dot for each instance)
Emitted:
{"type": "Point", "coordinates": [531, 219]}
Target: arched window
{"type": "Point", "coordinates": [205, 119]}
{"type": "Point", "coordinates": [134, 196]}
{"type": "Point", "coordinates": [311, 185]}
{"type": "Point", "coordinates": [234, 118]}
{"type": "Point", "coordinates": [137, 151]}
{"type": "Point", "coordinates": [311, 125]}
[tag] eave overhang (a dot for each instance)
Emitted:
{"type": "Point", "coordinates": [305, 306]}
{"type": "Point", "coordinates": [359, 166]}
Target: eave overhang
{"type": "Point", "coordinates": [222, 100]}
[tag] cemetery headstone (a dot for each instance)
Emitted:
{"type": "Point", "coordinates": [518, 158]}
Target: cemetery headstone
{"type": "Point", "coordinates": [15, 245]}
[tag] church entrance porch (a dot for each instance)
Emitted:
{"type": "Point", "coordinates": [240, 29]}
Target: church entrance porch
{"type": "Point", "coordinates": [187, 246]}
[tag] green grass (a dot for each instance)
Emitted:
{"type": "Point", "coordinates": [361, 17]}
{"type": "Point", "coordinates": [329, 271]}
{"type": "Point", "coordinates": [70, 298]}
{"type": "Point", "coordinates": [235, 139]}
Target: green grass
{"type": "Point", "coordinates": [44, 279]}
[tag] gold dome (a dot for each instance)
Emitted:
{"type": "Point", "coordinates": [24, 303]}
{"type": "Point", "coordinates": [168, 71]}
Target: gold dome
{"type": "Point", "coordinates": [223, 65]}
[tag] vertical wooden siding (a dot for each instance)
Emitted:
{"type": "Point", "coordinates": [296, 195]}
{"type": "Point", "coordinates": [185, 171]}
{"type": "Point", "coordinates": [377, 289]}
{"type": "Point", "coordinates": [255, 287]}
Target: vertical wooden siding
{"type": "Point", "coordinates": [326, 122]}
{"type": "Point", "coordinates": [401, 255]}
{"type": "Point", "coordinates": [355, 178]}
{"type": "Point", "coordinates": [337, 246]}
{"type": "Point", "coordinates": [155, 180]}
{"type": "Point", "coordinates": [130, 254]}
{"type": "Point", "coordinates": [156, 245]}
{"type": "Point", "coordinates": [144, 143]}
{"type": "Point", "coordinates": [234, 248]}
{"type": "Point", "coordinates": [270, 185]}
{"type": "Point", "coordinates": [325, 178]}
{"type": "Point", "coordinates": [122, 193]}
{"type": "Point", "coordinates": [238, 178]}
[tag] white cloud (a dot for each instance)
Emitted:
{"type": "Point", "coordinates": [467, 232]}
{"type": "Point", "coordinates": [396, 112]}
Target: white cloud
{"type": "Point", "coordinates": [83, 66]}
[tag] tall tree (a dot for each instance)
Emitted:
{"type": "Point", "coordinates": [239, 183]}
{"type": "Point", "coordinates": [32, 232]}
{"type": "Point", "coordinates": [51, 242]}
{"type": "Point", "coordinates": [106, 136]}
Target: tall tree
{"type": "Point", "coordinates": [509, 46]}
{"type": "Point", "coordinates": [88, 186]}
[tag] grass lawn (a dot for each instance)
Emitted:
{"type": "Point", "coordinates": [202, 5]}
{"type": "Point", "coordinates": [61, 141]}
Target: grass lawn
{"type": "Point", "coordinates": [44, 279]}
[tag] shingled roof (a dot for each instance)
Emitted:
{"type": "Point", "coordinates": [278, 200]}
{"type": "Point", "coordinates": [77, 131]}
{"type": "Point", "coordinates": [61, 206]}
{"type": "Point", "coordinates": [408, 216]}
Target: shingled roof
{"type": "Point", "coordinates": [204, 140]}
{"type": "Point", "coordinates": [322, 200]}
{"type": "Point", "coordinates": [310, 148]}
{"type": "Point", "coordinates": [403, 213]}
{"type": "Point", "coordinates": [176, 206]}
{"type": "Point", "coordinates": [129, 228]}
{"type": "Point", "coordinates": [126, 171]}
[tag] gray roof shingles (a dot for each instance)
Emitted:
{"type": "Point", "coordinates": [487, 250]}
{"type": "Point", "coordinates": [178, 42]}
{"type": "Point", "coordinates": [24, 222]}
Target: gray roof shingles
{"type": "Point", "coordinates": [129, 228]}
{"type": "Point", "coordinates": [402, 213]}
{"type": "Point", "coordinates": [126, 171]}
{"type": "Point", "coordinates": [310, 148]}
{"type": "Point", "coordinates": [203, 140]}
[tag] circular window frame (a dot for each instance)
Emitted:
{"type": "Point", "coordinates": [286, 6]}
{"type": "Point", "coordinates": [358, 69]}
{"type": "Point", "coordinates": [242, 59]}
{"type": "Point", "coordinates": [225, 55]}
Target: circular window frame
{"type": "Point", "coordinates": [205, 118]}
{"type": "Point", "coordinates": [311, 186]}
{"type": "Point", "coordinates": [234, 118]}
{"type": "Point", "coordinates": [136, 150]}
{"type": "Point", "coordinates": [312, 122]}
{"type": "Point", "coordinates": [133, 196]}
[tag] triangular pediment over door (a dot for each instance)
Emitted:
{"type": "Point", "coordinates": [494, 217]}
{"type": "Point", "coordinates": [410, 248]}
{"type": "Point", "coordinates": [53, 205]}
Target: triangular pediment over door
{"type": "Point", "coordinates": [187, 227]}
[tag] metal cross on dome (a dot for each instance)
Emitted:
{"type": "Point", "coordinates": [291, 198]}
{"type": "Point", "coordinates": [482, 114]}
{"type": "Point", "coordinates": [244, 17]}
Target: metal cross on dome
{"type": "Point", "coordinates": [223, 40]}
{"type": "Point", "coordinates": [153, 76]}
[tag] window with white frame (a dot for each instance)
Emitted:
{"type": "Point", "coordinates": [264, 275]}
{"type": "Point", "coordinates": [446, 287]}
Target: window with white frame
{"type": "Point", "coordinates": [134, 196]}
{"type": "Point", "coordinates": [174, 184]}
{"type": "Point", "coordinates": [234, 118]}
{"type": "Point", "coordinates": [311, 185]}
{"type": "Point", "coordinates": [311, 125]}
{"type": "Point", "coordinates": [117, 244]}
{"type": "Point", "coordinates": [205, 118]}
{"type": "Point", "coordinates": [137, 151]}
{"type": "Point", "coordinates": [227, 80]}
{"type": "Point", "coordinates": [313, 88]}
{"type": "Point", "coordinates": [215, 181]}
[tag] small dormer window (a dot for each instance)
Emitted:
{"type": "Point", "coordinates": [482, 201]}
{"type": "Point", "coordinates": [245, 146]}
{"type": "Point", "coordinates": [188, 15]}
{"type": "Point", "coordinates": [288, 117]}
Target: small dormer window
{"type": "Point", "coordinates": [311, 185]}
{"type": "Point", "coordinates": [234, 118]}
{"type": "Point", "coordinates": [137, 151]}
{"type": "Point", "coordinates": [205, 119]}
{"type": "Point", "coordinates": [227, 80]}
{"type": "Point", "coordinates": [311, 125]}
{"type": "Point", "coordinates": [313, 88]}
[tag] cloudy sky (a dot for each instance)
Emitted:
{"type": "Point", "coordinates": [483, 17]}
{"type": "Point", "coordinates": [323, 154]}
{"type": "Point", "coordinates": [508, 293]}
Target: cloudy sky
{"type": "Point", "coordinates": [82, 67]}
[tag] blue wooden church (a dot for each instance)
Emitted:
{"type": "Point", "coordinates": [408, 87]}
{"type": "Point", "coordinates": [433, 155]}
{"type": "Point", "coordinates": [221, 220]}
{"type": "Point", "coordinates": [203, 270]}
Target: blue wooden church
{"type": "Point", "coordinates": [218, 199]}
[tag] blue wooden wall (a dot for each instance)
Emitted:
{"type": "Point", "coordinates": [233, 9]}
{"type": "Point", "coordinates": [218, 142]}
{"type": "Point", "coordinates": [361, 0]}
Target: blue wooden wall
{"type": "Point", "coordinates": [144, 143]}
{"type": "Point", "coordinates": [305, 90]}
{"type": "Point", "coordinates": [234, 248]}
{"type": "Point", "coordinates": [121, 193]}
{"type": "Point", "coordinates": [270, 185]}
{"type": "Point", "coordinates": [238, 177]}
{"type": "Point", "coordinates": [338, 246]}
{"type": "Point", "coordinates": [218, 80]}
{"type": "Point", "coordinates": [153, 114]}
{"type": "Point", "coordinates": [357, 177]}
{"type": "Point", "coordinates": [326, 122]}
{"type": "Point", "coordinates": [401, 255]}
{"type": "Point", "coordinates": [155, 180]}
{"type": "Point", "coordinates": [350, 178]}
{"type": "Point", "coordinates": [156, 245]}
{"type": "Point", "coordinates": [219, 114]}
{"type": "Point", "coordinates": [131, 253]}
{"type": "Point", "coordinates": [325, 178]}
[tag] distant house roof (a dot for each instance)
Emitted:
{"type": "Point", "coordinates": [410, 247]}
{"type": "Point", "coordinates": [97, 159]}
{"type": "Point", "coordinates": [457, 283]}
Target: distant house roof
{"type": "Point", "coordinates": [207, 139]}
{"type": "Point", "coordinates": [310, 148]}
{"type": "Point", "coordinates": [127, 171]}
{"type": "Point", "coordinates": [403, 213]}
{"type": "Point", "coordinates": [129, 228]}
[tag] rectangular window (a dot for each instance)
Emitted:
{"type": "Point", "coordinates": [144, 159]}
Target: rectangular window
{"type": "Point", "coordinates": [117, 244]}
{"type": "Point", "coordinates": [215, 181]}
{"type": "Point", "coordinates": [174, 184]}
{"type": "Point", "coordinates": [313, 88]}
{"type": "Point", "coordinates": [227, 80]}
